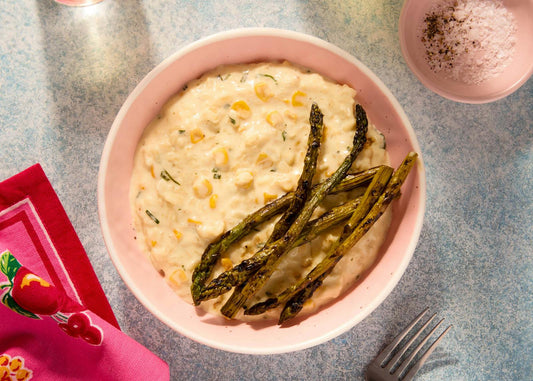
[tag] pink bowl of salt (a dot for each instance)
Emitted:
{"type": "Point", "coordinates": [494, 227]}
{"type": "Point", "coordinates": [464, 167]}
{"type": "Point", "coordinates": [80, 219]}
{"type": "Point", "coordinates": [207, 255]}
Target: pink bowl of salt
{"type": "Point", "coordinates": [475, 51]}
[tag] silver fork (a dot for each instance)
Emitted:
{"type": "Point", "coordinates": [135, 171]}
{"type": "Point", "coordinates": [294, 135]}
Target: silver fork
{"type": "Point", "coordinates": [386, 366]}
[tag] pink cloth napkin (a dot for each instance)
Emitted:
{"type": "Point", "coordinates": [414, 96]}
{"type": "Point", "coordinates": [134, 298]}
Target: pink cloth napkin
{"type": "Point", "coordinates": [55, 321]}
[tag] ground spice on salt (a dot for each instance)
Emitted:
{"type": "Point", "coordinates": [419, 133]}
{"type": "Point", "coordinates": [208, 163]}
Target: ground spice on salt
{"type": "Point", "coordinates": [469, 40]}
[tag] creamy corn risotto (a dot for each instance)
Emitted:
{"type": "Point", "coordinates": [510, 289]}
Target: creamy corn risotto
{"type": "Point", "coordinates": [230, 142]}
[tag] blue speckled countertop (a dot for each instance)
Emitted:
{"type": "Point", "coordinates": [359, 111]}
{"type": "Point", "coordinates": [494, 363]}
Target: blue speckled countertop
{"type": "Point", "coordinates": [64, 73]}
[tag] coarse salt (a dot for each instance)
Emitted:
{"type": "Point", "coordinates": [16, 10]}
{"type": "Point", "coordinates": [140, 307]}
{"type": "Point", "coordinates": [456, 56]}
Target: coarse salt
{"type": "Point", "coordinates": [468, 40]}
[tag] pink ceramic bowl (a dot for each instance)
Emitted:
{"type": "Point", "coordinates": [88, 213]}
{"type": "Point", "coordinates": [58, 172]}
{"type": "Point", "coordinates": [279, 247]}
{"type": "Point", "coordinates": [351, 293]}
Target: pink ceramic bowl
{"type": "Point", "coordinates": [242, 46]}
{"type": "Point", "coordinates": [513, 76]}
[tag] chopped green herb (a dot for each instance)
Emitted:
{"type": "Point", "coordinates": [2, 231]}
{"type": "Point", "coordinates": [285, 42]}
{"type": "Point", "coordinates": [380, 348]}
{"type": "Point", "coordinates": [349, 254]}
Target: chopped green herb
{"type": "Point", "coordinates": [284, 135]}
{"type": "Point", "coordinates": [181, 131]}
{"type": "Point", "coordinates": [232, 120]}
{"type": "Point", "coordinates": [185, 87]}
{"type": "Point", "coordinates": [225, 77]}
{"type": "Point", "coordinates": [217, 176]}
{"type": "Point", "coordinates": [269, 76]}
{"type": "Point", "coordinates": [154, 218]}
{"type": "Point", "coordinates": [244, 76]}
{"type": "Point", "coordinates": [166, 176]}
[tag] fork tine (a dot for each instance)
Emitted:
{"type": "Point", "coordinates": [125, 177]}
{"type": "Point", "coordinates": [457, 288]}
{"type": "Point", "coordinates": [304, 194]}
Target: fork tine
{"type": "Point", "coordinates": [409, 376]}
{"type": "Point", "coordinates": [407, 345]}
{"type": "Point", "coordinates": [406, 362]}
{"type": "Point", "coordinates": [388, 350]}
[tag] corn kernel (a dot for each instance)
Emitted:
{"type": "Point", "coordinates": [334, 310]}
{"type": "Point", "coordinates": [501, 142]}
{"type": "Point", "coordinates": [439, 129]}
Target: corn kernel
{"type": "Point", "coordinates": [196, 135]}
{"type": "Point", "coordinates": [193, 221]}
{"type": "Point", "coordinates": [286, 182]}
{"type": "Point", "coordinates": [242, 109]}
{"type": "Point", "coordinates": [244, 179]}
{"type": "Point", "coordinates": [177, 234]}
{"type": "Point", "coordinates": [263, 91]}
{"type": "Point", "coordinates": [213, 201]}
{"type": "Point", "coordinates": [211, 229]}
{"type": "Point", "coordinates": [296, 99]}
{"type": "Point", "coordinates": [179, 276]}
{"type": "Point", "coordinates": [274, 118]}
{"type": "Point", "coordinates": [262, 156]}
{"type": "Point", "coordinates": [226, 263]}
{"type": "Point", "coordinates": [202, 187]}
{"type": "Point", "coordinates": [269, 197]}
{"type": "Point", "coordinates": [153, 243]}
{"type": "Point", "coordinates": [290, 115]}
{"type": "Point", "coordinates": [152, 171]}
{"type": "Point", "coordinates": [220, 156]}
{"type": "Point", "coordinates": [263, 160]}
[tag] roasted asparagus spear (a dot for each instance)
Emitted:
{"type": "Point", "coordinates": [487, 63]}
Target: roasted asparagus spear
{"type": "Point", "coordinates": [303, 189]}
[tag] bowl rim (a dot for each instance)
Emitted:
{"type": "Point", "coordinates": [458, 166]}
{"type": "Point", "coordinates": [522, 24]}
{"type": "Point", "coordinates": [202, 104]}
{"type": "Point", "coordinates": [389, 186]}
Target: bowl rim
{"type": "Point", "coordinates": [429, 84]}
{"type": "Point", "coordinates": [101, 196]}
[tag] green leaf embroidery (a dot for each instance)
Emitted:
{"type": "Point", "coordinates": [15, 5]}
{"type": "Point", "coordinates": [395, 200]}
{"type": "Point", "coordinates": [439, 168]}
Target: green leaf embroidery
{"type": "Point", "coordinates": [10, 303]}
{"type": "Point", "coordinates": [9, 265]}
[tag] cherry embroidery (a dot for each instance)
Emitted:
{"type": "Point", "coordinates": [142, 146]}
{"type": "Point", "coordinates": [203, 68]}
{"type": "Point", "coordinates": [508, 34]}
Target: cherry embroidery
{"type": "Point", "coordinates": [34, 294]}
{"type": "Point", "coordinates": [30, 295]}
{"type": "Point", "coordinates": [79, 325]}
